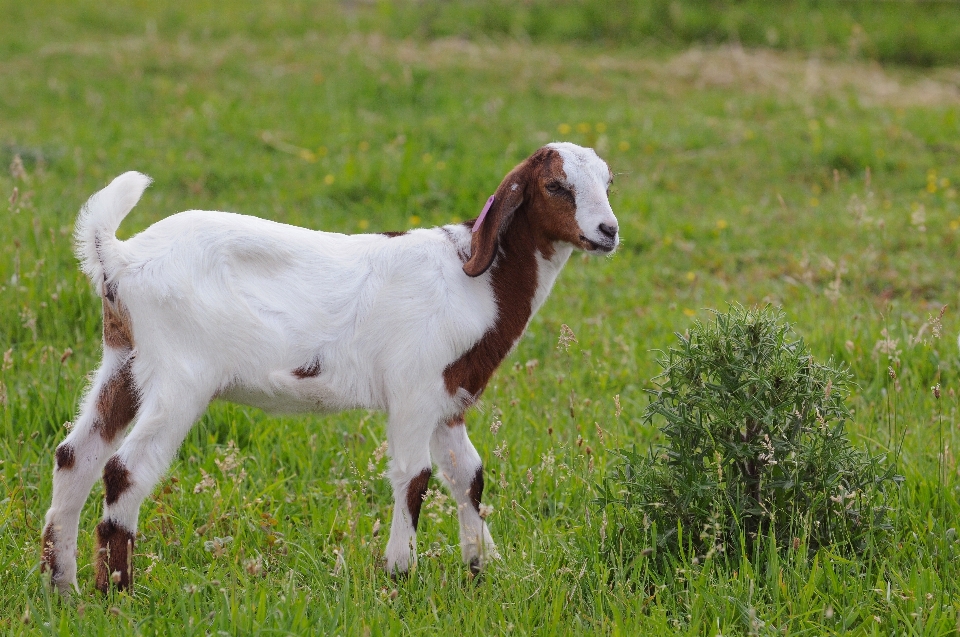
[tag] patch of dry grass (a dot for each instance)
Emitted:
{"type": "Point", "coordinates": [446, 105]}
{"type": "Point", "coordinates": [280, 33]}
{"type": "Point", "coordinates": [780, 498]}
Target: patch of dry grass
{"type": "Point", "coordinates": [786, 75]}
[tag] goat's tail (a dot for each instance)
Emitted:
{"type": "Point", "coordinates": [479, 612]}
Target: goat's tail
{"type": "Point", "coordinates": [97, 246]}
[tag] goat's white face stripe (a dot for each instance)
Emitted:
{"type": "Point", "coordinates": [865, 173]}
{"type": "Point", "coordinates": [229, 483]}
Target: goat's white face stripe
{"type": "Point", "coordinates": [588, 176]}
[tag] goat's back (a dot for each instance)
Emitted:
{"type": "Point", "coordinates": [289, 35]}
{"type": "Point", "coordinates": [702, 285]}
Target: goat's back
{"type": "Point", "coordinates": [256, 297]}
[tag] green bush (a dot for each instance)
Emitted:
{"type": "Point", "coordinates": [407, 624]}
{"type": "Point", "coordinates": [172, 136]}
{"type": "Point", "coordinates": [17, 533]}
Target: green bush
{"type": "Point", "coordinates": [754, 448]}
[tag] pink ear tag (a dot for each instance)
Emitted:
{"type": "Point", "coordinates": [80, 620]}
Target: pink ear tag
{"type": "Point", "coordinates": [486, 209]}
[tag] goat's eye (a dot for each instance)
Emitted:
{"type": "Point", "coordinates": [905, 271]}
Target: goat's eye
{"type": "Point", "coordinates": [555, 188]}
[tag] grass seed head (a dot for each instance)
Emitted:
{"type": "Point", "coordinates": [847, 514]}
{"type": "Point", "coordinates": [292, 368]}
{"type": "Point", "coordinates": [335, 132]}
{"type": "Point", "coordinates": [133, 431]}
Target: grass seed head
{"type": "Point", "coordinates": [17, 171]}
{"type": "Point", "coordinates": [566, 338]}
{"type": "Point", "coordinates": [253, 566]}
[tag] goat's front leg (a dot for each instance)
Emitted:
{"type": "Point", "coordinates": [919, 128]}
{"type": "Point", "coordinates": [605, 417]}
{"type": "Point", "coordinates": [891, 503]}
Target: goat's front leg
{"type": "Point", "coordinates": [410, 471]}
{"type": "Point", "coordinates": [462, 472]}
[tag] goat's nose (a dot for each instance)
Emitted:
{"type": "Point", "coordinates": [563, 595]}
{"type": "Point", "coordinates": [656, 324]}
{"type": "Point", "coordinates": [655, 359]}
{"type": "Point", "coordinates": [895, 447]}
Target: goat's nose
{"type": "Point", "coordinates": [608, 230]}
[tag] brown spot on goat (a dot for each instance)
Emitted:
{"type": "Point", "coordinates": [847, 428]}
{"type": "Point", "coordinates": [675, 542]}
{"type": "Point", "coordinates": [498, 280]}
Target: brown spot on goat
{"type": "Point", "coordinates": [416, 491]}
{"type": "Point", "coordinates": [558, 221]}
{"type": "Point", "coordinates": [114, 556]}
{"type": "Point", "coordinates": [456, 421]}
{"type": "Point", "coordinates": [513, 290]}
{"type": "Point", "coordinates": [476, 489]}
{"type": "Point", "coordinates": [116, 479]}
{"type": "Point", "coordinates": [308, 370]}
{"type": "Point", "coordinates": [48, 556]}
{"type": "Point", "coordinates": [393, 234]}
{"type": "Point", "coordinates": [65, 457]}
{"type": "Point", "coordinates": [118, 402]}
{"type": "Point", "coordinates": [526, 217]}
{"type": "Point", "coordinates": [514, 282]}
{"type": "Point", "coordinates": [109, 288]}
{"type": "Point", "coordinates": [117, 327]}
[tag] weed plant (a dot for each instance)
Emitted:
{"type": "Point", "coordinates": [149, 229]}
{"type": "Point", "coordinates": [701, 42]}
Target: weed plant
{"type": "Point", "coordinates": [755, 447]}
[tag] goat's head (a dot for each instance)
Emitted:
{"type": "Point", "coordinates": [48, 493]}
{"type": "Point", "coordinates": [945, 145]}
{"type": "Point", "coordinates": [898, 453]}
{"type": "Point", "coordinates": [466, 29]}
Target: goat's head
{"type": "Point", "coordinates": [563, 189]}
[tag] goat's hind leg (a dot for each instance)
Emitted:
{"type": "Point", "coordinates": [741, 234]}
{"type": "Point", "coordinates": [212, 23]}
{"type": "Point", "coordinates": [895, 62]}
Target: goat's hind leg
{"type": "Point", "coordinates": [131, 473]}
{"type": "Point", "coordinates": [106, 411]}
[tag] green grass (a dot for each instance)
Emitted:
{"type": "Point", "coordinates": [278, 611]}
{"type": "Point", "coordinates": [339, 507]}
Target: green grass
{"type": "Point", "coordinates": [924, 33]}
{"type": "Point", "coordinates": [741, 177]}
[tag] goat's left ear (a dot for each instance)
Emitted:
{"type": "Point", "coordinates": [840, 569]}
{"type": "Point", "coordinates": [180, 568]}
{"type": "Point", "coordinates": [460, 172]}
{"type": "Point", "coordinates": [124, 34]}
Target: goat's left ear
{"type": "Point", "coordinates": [486, 238]}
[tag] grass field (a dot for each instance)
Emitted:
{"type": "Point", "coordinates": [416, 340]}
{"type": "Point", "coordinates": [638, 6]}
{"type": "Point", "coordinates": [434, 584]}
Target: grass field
{"type": "Point", "coordinates": [825, 184]}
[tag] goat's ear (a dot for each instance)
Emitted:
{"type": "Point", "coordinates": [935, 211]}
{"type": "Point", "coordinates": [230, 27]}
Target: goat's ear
{"type": "Point", "coordinates": [486, 238]}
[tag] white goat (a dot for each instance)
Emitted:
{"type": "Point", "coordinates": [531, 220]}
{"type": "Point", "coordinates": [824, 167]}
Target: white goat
{"type": "Point", "coordinates": [206, 305]}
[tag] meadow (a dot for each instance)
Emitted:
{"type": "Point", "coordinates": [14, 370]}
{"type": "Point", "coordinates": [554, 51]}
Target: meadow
{"type": "Point", "coordinates": [806, 173]}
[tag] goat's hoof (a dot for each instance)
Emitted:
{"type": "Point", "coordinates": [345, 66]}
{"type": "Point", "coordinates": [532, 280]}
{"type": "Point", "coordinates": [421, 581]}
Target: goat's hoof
{"type": "Point", "coordinates": [64, 588]}
{"type": "Point", "coordinates": [62, 581]}
{"type": "Point", "coordinates": [397, 572]}
{"type": "Point", "coordinates": [479, 562]}
{"type": "Point", "coordinates": [119, 580]}
{"type": "Point", "coordinates": [476, 571]}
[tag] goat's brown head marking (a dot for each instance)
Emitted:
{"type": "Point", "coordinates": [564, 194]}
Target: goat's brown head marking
{"type": "Point", "coordinates": [563, 190]}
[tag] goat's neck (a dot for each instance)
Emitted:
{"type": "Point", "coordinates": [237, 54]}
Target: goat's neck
{"type": "Point", "coordinates": [528, 262]}
{"type": "Point", "coordinates": [521, 277]}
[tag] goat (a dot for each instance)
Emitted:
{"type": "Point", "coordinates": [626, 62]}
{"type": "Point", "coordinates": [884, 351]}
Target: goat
{"type": "Point", "coordinates": [214, 305]}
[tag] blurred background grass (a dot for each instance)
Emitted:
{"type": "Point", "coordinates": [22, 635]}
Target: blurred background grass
{"type": "Point", "coordinates": [910, 32]}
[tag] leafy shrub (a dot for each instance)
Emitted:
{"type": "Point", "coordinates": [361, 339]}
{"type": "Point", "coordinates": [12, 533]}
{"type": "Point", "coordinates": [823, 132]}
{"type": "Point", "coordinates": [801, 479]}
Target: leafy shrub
{"type": "Point", "coordinates": [754, 448]}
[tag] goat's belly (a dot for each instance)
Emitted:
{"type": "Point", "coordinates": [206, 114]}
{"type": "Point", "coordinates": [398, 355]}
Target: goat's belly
{"type": "Point", "coordinates": [289, 398]}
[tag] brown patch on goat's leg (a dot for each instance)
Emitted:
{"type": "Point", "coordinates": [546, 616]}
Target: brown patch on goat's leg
{"type": "Point", "coordinates": [114, 558]}
{"type": "Point", "coordinates": [476, 489]}
{"type": "Point", "coordinates": [116, 480]}
{"type": "Point", "coordinates": [65, 457]}
{"type": "Point", "coordinates": [48, 554]}
{"type": "Point", "coordinates": [119, 398]}
{"type": "Point", "coordinates": [475, 493]}
{"type": "Point", "coordinates": [117, 403]}
{"type": "Point", "coordinates": [416, 491]}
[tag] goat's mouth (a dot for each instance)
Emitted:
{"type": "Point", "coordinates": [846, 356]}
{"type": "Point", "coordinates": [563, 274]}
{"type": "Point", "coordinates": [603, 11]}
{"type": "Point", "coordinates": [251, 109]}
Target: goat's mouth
{"type": "Point", "coordinates": [597, 248]}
